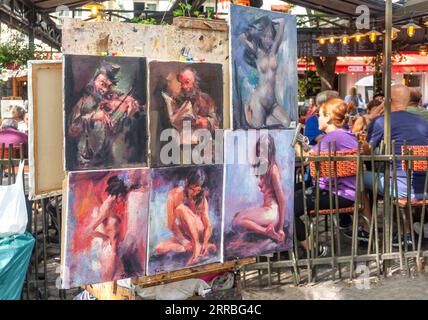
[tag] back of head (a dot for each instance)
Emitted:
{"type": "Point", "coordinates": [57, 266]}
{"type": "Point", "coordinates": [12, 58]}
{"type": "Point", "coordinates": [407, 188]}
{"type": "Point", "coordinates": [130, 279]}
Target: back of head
{"type": "Point", "coordinates": [415, 97]}
{"type": "Point", "coordinates": [18, 112]}
{"type": "Point", "coordinates": [9, 123]}
{"type": "Point", "coordinates": [353, 91]}
{"type": "Point", "coordinates": [339, 111]}
{"type": "Point", "coordinates": [326, 95]}
{"type": "Point", "coordinates": [372, 104]}
{"type": "Point", "coordinates": [400, 97]}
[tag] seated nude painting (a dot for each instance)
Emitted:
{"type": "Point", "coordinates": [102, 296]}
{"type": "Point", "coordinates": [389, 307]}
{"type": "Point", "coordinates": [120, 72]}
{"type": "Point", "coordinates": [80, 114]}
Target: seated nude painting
{"type": "Point", "coordinates": [258, 195]}
{"type": "Point", "coordinates": [264, 72]}
{"type": "Point", "coordinates": [106, 229]}
{"type": "Point", "coordinates": [185, 217]}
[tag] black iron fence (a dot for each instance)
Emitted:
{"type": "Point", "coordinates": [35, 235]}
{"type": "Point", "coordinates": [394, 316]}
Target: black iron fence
{"type": "Point", "coordinates": [391, 214]}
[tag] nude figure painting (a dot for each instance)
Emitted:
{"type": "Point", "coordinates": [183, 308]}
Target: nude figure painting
{"type": "Point", "coordinates": [180, 94]}
{"type": "Point", "coordinates": [106, 226]}
{"type": "Point", "coordinates": [258, 204]}
{"type": "Point", "coordinates": [105, 112]}
{"type": "Point", "coordinates": [264, 68]}
{"type": "Point", "coordinates": [185, 217]}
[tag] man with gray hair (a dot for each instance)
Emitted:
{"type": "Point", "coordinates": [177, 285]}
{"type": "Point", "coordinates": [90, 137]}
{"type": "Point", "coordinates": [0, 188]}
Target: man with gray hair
{"type": "Point", "coordinates": [311, 124]}
{"type": "Point", "coordinates": [18, 114]}
{"type": "Point", "coordinates": [9, 134]}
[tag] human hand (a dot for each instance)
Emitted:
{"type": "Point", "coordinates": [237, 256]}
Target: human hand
{"type": "Point", "coordinates": [301, 150]}
{"type": "Point", "coordinates": [358, 125]}
{"type": "Point", "coordinates": [280, 235]}
{"type": "Point", "coordinates": [207, 247]}
{"type": "Point", "coordinates": [365, 148]}
{"type": "Point", "coordinates": [202, 122]}
{"type": "Point", "coordinates": [101, 116]}
{"type": "Point", "coordinates": [377, 111]}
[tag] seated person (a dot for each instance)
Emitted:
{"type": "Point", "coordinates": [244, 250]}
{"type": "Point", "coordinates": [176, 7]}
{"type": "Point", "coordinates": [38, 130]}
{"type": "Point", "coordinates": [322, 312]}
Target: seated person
{"type": "Point", "coordinates": [9, 134]}
{"type": "Point", "coordinates": [360, 124]}
{"type": "Point", "coordinates": [415, 105]}
{"type": "Point", "coordinates": [332, 120]}
{"type": "Point", "coordinates": [18, 114]}
{"type": "Point", "coordinates": [405, 126]}
{"type": "Point", "coordinates": [312, 131]}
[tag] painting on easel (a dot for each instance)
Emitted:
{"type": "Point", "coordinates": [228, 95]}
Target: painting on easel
{"type": "Point", "coordinates": [106, 226]}
{"type": "Point", "coordinates": [264, 68]}
{"type": "Point", "coordinates": [105, 112]}
{"type": "Point", "coordinates": [258, 192]}
{"type": "Point", "coordinates": [185, 217]}
{"type": "Point", "coordinates": [187, 98]}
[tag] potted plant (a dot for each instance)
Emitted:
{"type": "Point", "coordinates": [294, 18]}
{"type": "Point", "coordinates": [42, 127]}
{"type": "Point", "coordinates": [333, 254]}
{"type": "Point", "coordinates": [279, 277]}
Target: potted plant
{"type": "Point", "coordinates": [185, 17]}
{"type": "Point", "coordinates": [15, 52]}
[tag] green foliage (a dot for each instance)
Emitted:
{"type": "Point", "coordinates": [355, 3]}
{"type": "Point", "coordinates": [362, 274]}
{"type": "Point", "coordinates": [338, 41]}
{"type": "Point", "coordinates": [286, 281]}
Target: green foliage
{"type": "Point", "coordinates": [181, 11]}
{"type": "Point", "coordinates": [144, 21]}
{"type": "Point", "coordinates": [377, 63]}
{"type": "Point", "coordinates": [15, 52]}
{"type": "Point", "coordinates": [210, 13]}
{"type": "Point", "coordinates": [309, 85]}
{"type": "Point", "coordinates": [184, 9]}
{"type": "Point", "coordinates": [178, 12]}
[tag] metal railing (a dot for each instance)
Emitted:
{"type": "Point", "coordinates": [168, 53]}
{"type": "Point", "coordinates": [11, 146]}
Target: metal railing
{"type": "Point", "coordinates": [378, 251]}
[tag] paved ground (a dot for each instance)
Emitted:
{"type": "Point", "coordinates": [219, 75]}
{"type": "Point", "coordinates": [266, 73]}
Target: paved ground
{"type": "Point", "coordinates": [396, 286]}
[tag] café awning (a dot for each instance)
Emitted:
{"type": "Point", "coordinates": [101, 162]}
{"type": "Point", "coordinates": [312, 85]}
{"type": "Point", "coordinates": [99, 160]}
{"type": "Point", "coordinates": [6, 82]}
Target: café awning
{"type": "Point", "coordinates": [410, 62]}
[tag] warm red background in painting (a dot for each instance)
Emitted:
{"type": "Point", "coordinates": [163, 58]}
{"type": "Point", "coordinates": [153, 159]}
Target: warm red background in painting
{"type": "Point", "coordinates": [88, 190]}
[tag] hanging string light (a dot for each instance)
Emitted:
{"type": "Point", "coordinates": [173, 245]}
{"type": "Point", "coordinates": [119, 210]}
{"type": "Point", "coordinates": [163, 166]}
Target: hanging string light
{"type": "Point", "coordinates": [394, 33]}
{"type": "Point", "coordinates": [331, 39]}
{"type": "Point", "coordinates": [358, 36]}
{"type": "Point", "coordinates": [345, 39]}
{"type": "Point", "coordinates": [321, 40]}
{"type": "Point", "coordinates": [95, 7]}
{"type": "Point", "coordinates": [411, 28]}
{"type": "Point", "coordinates": [373, 34]}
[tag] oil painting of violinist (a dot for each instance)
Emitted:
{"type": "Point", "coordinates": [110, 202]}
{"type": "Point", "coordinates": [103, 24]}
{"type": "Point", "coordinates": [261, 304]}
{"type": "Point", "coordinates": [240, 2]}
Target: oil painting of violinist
{"type": "Point", "coordinates": [105, 110]}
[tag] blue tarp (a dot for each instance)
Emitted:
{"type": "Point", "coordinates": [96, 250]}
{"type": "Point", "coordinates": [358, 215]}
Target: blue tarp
{"type": "Point", "coordinates": [15, 254]}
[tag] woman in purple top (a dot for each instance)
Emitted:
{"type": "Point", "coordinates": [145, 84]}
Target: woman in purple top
{"type": "Point", "coordinates": [332, 120]}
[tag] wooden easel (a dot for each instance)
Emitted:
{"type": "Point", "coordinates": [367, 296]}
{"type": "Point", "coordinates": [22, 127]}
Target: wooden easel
{"type": "Point", "coordinates": [111, 291]}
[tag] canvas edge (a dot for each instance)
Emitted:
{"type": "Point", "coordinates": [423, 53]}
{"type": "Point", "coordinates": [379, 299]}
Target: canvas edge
{"type": "Point", "coordinates": [231, 119]}
{"type": "Point", "coordinates": [33, 195]}
{"type": "Point", "coordinates": [64, 274]}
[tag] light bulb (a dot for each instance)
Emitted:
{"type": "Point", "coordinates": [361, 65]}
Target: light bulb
{"type": "Point", "coordinates": [94, 11]}
{"type": "Point", "coordinates": [331, 39]}
{"type": "Point", "coordinates": [345, 40]}
{"type": "Point", "coordinates": [321, 41]}
{"type": "Point", "coordinates": [358, 38]}
{"type": "Point", "coordinates": [373, 37]}
{"type": "Point", "coordinates": [411, 31]}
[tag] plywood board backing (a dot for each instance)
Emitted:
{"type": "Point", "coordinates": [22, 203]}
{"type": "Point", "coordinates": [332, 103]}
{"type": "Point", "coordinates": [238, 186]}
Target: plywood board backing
{"type": "Point", "coordinates": [151, 41]}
